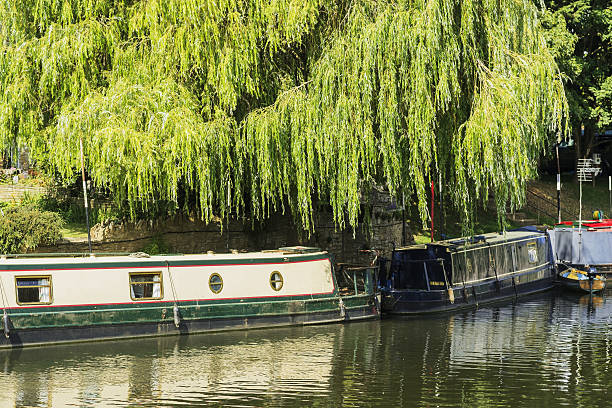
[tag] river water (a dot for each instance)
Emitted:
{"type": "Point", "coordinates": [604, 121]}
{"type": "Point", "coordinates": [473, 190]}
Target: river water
{"type": "Point", "coordinates": [554, 349]}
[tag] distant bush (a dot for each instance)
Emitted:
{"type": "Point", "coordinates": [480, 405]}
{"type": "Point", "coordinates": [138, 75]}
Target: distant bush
{"type": "Point", "coordinates": [157, 246]}
{"type": "Point", "coordinates": [72, 209]}
{"type": "Point", "coordinates": [25, 228]}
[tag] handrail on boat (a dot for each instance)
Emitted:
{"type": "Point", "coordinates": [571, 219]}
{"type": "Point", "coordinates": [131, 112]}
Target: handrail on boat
{"type": "Point", "coordinates": [422, 260]}
{"type": "Point", "coordinates": [504, 242]}
{"type": "Point", "coordinates": [71, 254]}
{"type": "Point", "coordinates": [62, 254]}
{"type": "Point", "coordinates": [368, 279]}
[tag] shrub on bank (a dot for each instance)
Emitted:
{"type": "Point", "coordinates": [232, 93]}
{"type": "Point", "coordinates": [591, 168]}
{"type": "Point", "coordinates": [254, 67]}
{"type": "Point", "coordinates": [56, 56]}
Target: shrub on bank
{"type": "Point", "coordinates": [25, 228]}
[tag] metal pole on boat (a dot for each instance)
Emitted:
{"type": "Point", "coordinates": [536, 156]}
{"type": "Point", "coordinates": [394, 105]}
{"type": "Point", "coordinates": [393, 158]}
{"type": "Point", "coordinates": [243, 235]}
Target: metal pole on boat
{"type": "Point", "coordinates": [580, 223]}
{"type": "Point", "coordinates": [85, 195]}
{"type": "Point", "coordinates": [580, 204]}
{"type": "Point", "coordinates": [610, 190]}
{"type": "Point", "coordinates": [586, 170]}
{"type": "Point", "coordinates": [558, 186]}
{"type": "Point", "coordinates": [403, 220]}
{"type": "Point", "coordinates": [441, 206]}
{"type": "Point", "coordinates": [432, 210]}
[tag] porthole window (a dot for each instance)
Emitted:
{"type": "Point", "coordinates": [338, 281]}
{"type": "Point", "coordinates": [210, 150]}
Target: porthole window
{"type": "Point", "coordinates": [276, 280]}
{"type": "Point", "coordinates": [215, 283]}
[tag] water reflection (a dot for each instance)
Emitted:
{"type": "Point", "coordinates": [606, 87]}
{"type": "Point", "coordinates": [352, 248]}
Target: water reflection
{"type": "Point", "coordinates": [554, 349]}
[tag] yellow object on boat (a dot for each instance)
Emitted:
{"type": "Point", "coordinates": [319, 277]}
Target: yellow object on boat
{"type": "Point", "coordinates": [597, 283]}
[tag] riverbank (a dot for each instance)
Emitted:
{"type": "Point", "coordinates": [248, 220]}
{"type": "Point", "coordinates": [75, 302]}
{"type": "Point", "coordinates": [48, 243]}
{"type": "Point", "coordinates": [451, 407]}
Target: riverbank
{"type": "Point", "coordinates": [188, 235]}
{"type": "Point", "coordinates": [540, 208]}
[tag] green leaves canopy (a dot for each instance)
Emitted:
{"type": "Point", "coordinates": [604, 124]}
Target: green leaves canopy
{"type": "Point", "coordinates": [250, 105]}
{"type": "Point", "coordinates": [579, 33]}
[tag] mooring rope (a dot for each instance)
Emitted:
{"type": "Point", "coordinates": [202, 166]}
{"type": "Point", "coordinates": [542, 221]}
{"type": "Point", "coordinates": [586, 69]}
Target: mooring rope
{"type": "Point", "coordinates": [175, 309]}
{"type": "Point", "coordinates": [5, 315]}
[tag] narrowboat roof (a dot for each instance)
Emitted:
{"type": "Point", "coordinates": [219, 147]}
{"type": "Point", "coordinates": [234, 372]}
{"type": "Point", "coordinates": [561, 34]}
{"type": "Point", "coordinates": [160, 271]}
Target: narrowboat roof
{"type": "Point", "coordinates": [85, 259]}
{"type": "Point", "coordinates": [491, 238]}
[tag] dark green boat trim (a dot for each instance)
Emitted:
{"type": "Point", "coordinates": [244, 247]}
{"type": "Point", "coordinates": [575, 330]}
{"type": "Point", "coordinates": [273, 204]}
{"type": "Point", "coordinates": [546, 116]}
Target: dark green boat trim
{"type": "Point", "coordinates": [44, 317]}
{"type": "Point", "coordinates": [168, 303]}
{"type": "Point", "coordinates": [86, 325]}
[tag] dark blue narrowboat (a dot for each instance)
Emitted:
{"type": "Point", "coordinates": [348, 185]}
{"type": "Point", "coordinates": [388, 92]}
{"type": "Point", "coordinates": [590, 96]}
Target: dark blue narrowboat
{"type": "Point", "coordinates": [466, 272]}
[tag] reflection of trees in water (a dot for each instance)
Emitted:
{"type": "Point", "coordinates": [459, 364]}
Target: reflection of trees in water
{"type": "Point", "coordinates": [31, 389]}
{"type": "Point", "coordinates": [143, 380]}
{"type": "Point", "coordinates": [508, 355]}
{"type": "Point", "coordinates": [545, 351]}
{"type": "Point", "coordinates": [540, 350]}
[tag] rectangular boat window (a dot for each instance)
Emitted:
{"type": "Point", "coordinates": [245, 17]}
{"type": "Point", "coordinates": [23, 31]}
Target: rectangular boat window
{"type": "Point", "coordinates": [146, 285]}
{"type": "Point", "coordinates": [33, 290]}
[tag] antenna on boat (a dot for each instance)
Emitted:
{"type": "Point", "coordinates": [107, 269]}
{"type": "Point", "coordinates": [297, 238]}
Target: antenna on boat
{"type": "Point", "coordinates": [85, 195]}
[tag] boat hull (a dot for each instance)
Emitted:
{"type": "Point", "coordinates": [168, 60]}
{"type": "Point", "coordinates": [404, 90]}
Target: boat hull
{"type": "Point", "coordinates": [464, 273]}
{"type": "Point", "coordinates": [584, 285]}
{"type": "Point", "coordinates": [35, 329]}
{"type": "Point", "coordinates": [64, 300]}
{"type": "Point", "coordinates": [417, 302]}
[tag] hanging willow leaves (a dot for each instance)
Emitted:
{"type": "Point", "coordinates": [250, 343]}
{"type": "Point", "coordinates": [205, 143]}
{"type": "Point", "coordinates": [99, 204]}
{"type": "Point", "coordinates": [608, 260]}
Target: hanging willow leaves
{"type": "Point", "coordinates": [256, 105]}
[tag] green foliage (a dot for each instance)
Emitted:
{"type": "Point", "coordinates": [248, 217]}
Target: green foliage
{"type": "Point", "coordinates": [24, 228]}
{"type": "Point", "coordinates": [157, 246]}
{"type": "Point", "coordinates": [579, 33]}
{"type": "Point", "coordinates": [70, 211]}
{"type": "Point", "coordinates": [251, 105]}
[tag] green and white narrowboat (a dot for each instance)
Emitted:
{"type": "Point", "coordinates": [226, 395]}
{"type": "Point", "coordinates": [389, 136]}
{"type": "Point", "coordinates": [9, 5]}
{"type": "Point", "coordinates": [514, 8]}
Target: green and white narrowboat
{"type": "Point", "coordinates": [70, 299]}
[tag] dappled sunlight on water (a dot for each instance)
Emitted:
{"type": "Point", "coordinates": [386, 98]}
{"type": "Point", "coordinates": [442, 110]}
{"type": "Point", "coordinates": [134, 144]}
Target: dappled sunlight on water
{"type": "Point", "coordinates": [550, 350]}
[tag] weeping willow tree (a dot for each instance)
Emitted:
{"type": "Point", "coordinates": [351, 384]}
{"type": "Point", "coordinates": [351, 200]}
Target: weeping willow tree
{"type": "Point", "coordinates": [251, 106]}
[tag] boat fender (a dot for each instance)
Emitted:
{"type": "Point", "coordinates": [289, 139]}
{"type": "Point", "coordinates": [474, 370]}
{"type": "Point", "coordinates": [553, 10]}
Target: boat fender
{"type": "Point", "coordinates": [377, 300]}
{"type": "Point", "coordinates": [5, 323]}
{"type": "Point", "coordinates": [451, 296]}
{"type": "Point", "coordinates": [177, 317]}
{"type": "Point", "coordinates": [475, 297]}
{"type": "Point", "coordinates": [342, 309]}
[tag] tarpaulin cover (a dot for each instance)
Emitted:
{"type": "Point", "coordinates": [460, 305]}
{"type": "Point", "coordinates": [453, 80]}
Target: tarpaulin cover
{"type": "Point", "coordinates": [593, 247]}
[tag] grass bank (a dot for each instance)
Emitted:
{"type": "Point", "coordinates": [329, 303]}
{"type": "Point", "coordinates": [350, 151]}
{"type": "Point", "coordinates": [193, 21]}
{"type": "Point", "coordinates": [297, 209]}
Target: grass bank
{"type": "Point", "coordinates": [540, 208]}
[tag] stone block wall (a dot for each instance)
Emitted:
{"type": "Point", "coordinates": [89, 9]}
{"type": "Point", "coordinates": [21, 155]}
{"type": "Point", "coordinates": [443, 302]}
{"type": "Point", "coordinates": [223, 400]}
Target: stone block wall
{"type": "Point", "coordinates": [190, 235]}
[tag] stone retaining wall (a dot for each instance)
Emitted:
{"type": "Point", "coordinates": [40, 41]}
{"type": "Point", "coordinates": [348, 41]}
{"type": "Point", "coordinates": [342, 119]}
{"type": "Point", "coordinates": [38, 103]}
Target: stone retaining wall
{"type": "Point", "coordinates": [11, 193]}
{"type": "Point", "coordinates": [188, 235]}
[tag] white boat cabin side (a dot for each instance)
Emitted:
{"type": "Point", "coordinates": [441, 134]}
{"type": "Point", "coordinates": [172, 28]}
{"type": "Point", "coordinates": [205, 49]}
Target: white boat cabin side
{"type": "Point", "coordinates": [40, 282]}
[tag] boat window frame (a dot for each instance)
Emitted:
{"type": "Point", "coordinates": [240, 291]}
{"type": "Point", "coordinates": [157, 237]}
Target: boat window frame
{"type": "Point", "coordinates": [161, 285]}
{"type": "Point", "coordinates": [38, 277]}
{"type": "Point", "coordinates": [273, 282]}
{"type": "Point", "coordinates": [210, 283]}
